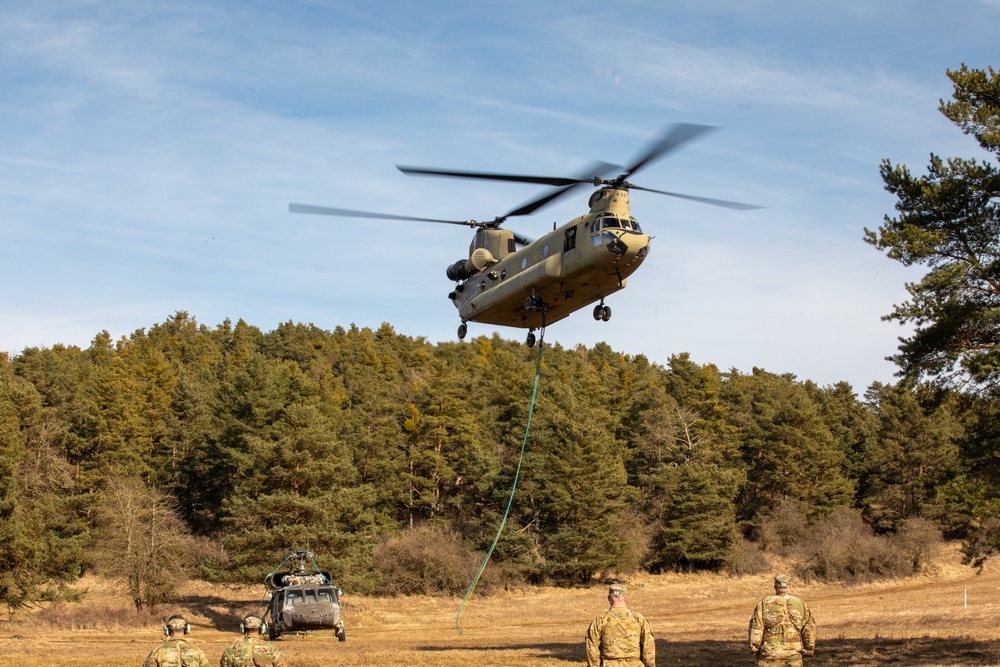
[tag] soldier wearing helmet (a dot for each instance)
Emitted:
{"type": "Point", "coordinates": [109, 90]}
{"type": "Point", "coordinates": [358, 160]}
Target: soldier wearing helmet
{"type": "Point", "coordinates": [176, 650]}
{"type": "Point", "coordinates": [782, 629]}
{"type": "Point", "coordinates": [252, 650]}
{"type": "Point", "coordinates": [620, 636]}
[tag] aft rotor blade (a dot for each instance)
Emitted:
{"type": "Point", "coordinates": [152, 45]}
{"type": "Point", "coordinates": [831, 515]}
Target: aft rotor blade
{"type": "Point", "coordinates": [522, 240]}
{"type": "Point", "coordinates": [350, 213]}
{"type": "Point", "coordinates": [674, 136]}
{"type": "Point", "coordinates": [704, 200]}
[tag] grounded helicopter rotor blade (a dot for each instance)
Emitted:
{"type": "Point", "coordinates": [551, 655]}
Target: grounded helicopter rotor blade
{"type": "Point", "coordinates": [704, 200]}
{"type": "Point", "coordinates": [350, 213]}
{"type": "Point", "coordinates": [671, 139]}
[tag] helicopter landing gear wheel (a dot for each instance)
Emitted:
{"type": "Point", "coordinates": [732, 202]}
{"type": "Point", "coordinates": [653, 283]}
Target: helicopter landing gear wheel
{"type": "Point", "coordinates": [530, 342]}
{"type": "Point", "coordinates": [606, 314]}
{"type": "Point", "coordinates": [602, 312]}
{"type": "Point", "coordinates": [533, 303]}
{"type": "Point", "coordinates": [342, 635]}
{"type": "Point", "coordinates": [462, 330]}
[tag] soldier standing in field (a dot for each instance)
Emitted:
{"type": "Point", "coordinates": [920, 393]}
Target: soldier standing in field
{"type": "Point", "coordinates": [252, 650]}
{"type": "Point", "coordinates": [175, 650]}
{"type": "Point", "coordinates": [620, 636]}
{"type": "Point", "coordinates": [782, 629]}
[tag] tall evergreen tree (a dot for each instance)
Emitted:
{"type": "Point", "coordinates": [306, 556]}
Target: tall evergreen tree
{"type": "Point", "coordinates": [41, 537]}
{"type": "Point", "coordinates": [949, 221]}
{"type": "Point", "coordinates": [573, 485]}
{"type": "Point", "coordinates": [911, 454]}
{"type": "Point", "coordinates": [789, 452]}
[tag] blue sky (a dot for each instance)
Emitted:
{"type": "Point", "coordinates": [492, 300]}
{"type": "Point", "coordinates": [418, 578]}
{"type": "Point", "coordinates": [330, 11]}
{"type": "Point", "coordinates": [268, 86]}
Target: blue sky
{"type": "Point", "coordinates": [148, 153]}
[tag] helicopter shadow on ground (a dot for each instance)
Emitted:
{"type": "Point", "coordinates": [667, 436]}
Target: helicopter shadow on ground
{"type": "Point", "coordinates": [570, 652]}
{"type": "Point", "coordinates": [704, 652]}
{"type": "Point", "coordinates": [927, 651]}
{"type": "Point", "coordinates": [223, 614]}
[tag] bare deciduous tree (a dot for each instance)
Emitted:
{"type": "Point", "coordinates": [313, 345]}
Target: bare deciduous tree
{"type": "Point", "coordinates": [141, 541]}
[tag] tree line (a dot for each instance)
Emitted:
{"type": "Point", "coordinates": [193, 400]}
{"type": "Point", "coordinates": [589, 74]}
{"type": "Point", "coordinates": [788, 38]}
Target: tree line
{"type": "Point", "coordinates": [337, 440]}
{"type": "Point", "coordinates": [224, 447]}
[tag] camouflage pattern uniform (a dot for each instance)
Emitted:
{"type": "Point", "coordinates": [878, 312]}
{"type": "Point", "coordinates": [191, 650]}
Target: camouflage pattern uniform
{"type": "Point", "coordinates": [620, 637]}
{"type": "Point", "coordinates": [252, 651]}
{"type": "Point", "coordinates": [782, 629]}
{"type": "Point", "coordinates": [176, 652]}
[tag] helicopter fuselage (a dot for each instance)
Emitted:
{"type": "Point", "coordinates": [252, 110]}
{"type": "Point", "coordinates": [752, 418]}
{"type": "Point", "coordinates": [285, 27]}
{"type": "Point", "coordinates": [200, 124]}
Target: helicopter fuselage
{"type": "Point", "coordinates": [572, 266]}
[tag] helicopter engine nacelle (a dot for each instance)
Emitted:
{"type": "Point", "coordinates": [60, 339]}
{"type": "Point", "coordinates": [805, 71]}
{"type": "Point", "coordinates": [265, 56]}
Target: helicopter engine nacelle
{"type": "Point", "coordinates": [481, 258]}
{"type": "Point", "coordinates": [458, 271]}
{"type": "Point", "coordinates": [464, 268]}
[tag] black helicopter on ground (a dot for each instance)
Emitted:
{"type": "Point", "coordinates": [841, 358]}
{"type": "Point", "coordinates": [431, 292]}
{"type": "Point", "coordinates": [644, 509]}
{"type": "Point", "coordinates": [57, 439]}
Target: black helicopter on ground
{"type": "Point", "coordinates": [302, 598]}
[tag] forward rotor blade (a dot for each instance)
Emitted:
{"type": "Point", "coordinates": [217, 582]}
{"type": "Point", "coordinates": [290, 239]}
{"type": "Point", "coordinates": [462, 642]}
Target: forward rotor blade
{"type": "Point", "coordinates": [350, 213]}
{"type": "Point", "coordinates": [594, 170]}
{"type": "Point", "coordinates": [587, 175]}
{"type": "Point", "coordinates": [516, 178]}
{"type": "Point", "coordinates": [534, 205]}
{"type": "Point", "coordinates": [704, 200]}
{"type": "Point", "coordinates": [674, 136]}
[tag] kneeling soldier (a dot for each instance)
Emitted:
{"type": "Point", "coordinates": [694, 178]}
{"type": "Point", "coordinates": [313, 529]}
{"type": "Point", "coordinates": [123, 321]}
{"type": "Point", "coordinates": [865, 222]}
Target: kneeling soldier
{"type": "Point", "coordinates": [253, 650]}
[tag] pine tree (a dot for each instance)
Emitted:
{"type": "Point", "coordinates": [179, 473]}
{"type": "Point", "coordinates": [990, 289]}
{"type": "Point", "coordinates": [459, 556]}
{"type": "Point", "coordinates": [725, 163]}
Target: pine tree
{"type": "Point", "coordinates": [949, 220]}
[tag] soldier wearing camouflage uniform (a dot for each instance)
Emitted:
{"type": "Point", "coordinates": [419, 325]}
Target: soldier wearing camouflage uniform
{"type": "Point", "coordinates": [176, 651]}
{"type": "Point", "coordinates": [253, 650]}
{"type": "Point", "coordinates": [620, 637]}
{"type": "Point", "coordinates": [782, 629]}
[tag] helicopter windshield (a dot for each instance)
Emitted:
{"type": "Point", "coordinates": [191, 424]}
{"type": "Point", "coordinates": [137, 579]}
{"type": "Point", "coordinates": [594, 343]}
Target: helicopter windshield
{"type": "Point", "coordinates": [325, 595]}
{"type": "Point", "coordinates": [610, 221]}
{"type": "Point", "coordinates": [293, 597]}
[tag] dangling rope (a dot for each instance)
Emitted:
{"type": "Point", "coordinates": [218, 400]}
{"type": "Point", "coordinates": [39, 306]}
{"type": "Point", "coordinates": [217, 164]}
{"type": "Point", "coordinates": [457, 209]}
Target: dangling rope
{"type": "Point", "coordinates": [510, 501]}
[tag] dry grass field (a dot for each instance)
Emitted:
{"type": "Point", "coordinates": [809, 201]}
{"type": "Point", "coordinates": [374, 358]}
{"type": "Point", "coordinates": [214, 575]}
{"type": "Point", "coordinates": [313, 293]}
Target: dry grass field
{"type": "Point", "coordinates": [698, 619]}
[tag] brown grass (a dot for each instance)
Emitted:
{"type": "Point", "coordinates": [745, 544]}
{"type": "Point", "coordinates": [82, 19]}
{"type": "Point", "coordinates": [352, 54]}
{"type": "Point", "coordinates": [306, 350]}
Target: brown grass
{"type": "Point", "coordinates": [699, 619]}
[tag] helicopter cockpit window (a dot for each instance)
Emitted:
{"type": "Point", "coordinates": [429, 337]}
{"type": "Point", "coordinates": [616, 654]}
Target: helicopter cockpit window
{"type": "Point", "coordinates": [608, 220]}
{"type": "Point", "coordinates": [325, 595]}
{"type": "Point", "coordinates": [311, 596]}
{"type": "Point", "coordinates": [635, 225]}
{"type": "Point", "coordinates": [293, 597]}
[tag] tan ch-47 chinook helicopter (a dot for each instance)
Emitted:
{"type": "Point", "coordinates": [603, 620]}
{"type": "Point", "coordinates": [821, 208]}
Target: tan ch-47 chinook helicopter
{"type": "Point", "coordinates": [571, 267]}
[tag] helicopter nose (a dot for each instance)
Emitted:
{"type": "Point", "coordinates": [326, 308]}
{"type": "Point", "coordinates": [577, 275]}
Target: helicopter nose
{"type": "Point", "coordinates": [626, 245]}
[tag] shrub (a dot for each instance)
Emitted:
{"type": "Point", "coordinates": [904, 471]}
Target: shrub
{"type": "Point", "coordinates": [744, 557]}
{"type": "Point", "coordinates": [918, 540]}
{"type": "Point", "coordinates": [843, 547]}
{"type": "Point", "coordinates": [636, 537]}
{"type": "Point", "coordinates": [782, 528]}
{"type": "Point", "coordinates": [430, 560]}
